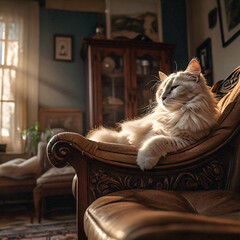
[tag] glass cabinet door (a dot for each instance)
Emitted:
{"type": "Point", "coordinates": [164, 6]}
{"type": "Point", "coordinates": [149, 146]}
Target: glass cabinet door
{"type": "Point", "coordinates": [113, 85]}
{"type": "Point", "coordinates": [147, 65]}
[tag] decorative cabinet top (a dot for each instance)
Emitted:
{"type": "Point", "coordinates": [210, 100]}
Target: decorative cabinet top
{"type": "Point", "coordinates": [122, 43]}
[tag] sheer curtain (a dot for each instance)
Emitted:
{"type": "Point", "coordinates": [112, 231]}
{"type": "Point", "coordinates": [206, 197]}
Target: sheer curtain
{"type": "Point", "coordinates": [19, 47]}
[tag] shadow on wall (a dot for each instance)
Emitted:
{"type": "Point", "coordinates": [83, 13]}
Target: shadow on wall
{"type": "Point", "coordinates": [60, 90]}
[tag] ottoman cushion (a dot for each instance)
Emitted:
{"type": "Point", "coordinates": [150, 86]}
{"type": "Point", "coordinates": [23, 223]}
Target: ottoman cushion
{"type": "Point", "coordinates": [54, 175]}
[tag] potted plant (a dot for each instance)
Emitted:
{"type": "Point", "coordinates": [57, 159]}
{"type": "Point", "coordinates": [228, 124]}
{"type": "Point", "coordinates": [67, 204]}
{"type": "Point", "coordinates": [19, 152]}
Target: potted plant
{"type": "Point", "coordinates": [32, 137]}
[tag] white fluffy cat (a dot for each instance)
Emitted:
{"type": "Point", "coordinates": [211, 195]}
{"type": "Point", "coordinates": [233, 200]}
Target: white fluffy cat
{"type": "Point", "coordinates": [186, 111]}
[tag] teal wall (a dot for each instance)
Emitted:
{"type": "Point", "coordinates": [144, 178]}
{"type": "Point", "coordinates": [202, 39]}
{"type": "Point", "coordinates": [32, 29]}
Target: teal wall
{"type": "Point", "coordinates": [63, 84]}
{"type": "Point", "coordinates": [175, 30]}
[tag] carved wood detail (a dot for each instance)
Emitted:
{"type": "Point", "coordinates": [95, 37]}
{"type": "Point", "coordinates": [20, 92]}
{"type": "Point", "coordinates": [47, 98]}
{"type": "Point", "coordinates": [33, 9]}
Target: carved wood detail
{"type": "Point", "coordinates": [102, 180]}
{"type": "Point", "coordinates": [225, 86]}
{"type": "Point", "coordinates": [59, 152]}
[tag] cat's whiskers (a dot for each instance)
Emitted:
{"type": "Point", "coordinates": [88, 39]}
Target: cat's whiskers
{"type": "Point", "coordinates": [154, 86]}
{"type": "Point", "coordinates": [149, 107]}
{"type": "Point", "coordinates": [156, 81]}
{"type": "Point", "coordinates": [157, 77]}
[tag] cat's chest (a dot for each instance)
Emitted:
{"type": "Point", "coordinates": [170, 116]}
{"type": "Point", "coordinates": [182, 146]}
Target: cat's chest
{"type": "Point", "coordinates": [160, 129]}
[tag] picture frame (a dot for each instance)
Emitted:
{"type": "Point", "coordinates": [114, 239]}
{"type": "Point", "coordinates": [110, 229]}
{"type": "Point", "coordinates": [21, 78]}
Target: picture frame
{"type": "Point", "coordinates": [229, 20]}
{"type": "Point", "coordinates": [142, 16]}
{"type": "Point", "coordinates": [204, 55]}
{"type": "Point", "coordinates": [212, 18]}
{"type": "Point", "coordinates": [70, 119]}
{"type": "Point", "coordinates": [63, 48]}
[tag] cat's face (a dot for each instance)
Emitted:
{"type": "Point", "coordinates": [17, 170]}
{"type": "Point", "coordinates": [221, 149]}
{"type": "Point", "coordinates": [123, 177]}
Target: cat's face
{"type": "Point", "coordinates": [180, 88]}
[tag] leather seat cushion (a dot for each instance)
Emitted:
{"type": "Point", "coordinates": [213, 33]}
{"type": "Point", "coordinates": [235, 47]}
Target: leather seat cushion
{"type": "Point", "coordinates": [54, 175]}
{"type": "Point", "coordinates": [154, 214]}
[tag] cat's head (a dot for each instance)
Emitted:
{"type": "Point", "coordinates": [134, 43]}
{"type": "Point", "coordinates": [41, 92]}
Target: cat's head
{"type": "Point", "coordinates": [181, 88]}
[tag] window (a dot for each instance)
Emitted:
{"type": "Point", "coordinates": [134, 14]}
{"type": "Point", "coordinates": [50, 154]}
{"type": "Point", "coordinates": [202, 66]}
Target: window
{"type": "Point", "coordinates": [9, 49]}
{"type": "Point", "coordinates": [19, 34]}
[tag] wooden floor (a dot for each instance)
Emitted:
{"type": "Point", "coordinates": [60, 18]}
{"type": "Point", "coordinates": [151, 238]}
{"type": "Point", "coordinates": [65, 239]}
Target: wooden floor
{"type": "Point", "coordinates": [23, 212]}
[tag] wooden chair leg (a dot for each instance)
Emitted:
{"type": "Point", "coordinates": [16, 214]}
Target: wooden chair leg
{"type": "Point", "coordinates": [43, 206]}
{"type": "Point", "coordinates": [38, 203]}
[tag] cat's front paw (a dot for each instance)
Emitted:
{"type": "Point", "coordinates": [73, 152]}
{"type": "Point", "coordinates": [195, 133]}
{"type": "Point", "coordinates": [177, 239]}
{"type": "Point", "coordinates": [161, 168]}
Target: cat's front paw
{"type": "Point", "coordinates": [146, 160]}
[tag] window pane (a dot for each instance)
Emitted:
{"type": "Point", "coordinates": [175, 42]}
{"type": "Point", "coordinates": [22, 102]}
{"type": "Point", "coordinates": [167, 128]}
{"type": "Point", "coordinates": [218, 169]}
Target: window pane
{"type": "Point", "coordinates": [13, 31]}
{"type": "Point", "coordinates": [1, 80]}
{"type": "Point", "coordinates": [12, 54]}
{"type": "Point", "coordinates": [2, 30]}
{"type": "Point", "coordinates": [8, 85]}
{"type": "Point", "coordinates": [1, 115]}
{"type": "Point", "coordinates": [7, 118]}
{"type": "Point", "coordinates": [2, 50]}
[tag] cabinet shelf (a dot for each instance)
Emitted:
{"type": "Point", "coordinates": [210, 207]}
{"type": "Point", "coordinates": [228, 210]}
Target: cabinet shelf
{"type": "Point", "coordinates": [125, 84]}
{"type": "Point", "coordinates": [113, 75]}
{"type": "Point", "coordinates": [109, 107]}
{"type": "Point", "coordinates": [142, 75]}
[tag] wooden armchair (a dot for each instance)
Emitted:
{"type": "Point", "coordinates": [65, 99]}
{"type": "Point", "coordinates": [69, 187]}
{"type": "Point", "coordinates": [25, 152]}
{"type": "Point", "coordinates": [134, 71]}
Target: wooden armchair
{"type": "Point", "coordinates": [103, 168]}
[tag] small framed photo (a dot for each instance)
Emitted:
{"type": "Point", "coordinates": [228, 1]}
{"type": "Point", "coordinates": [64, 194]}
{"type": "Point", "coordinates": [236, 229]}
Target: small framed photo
{"type": "Point", "coordinates": [204, 54]}
{"type": "Point", "coordinates": [134, 19]}
{"type": "Point", "coordinates": [63, 48]}
{"type": "Point", "coordinates": [229, 20]}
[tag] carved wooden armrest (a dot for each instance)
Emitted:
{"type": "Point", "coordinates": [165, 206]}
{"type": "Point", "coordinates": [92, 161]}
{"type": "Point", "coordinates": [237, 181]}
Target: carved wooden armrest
{"type": "Point", "coordinates": [197, 161]}
{"type": "Point", "coordinates": [63, 147]}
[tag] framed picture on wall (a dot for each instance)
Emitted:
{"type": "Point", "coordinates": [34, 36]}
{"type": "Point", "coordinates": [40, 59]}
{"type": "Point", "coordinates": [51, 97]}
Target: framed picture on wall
{"type": "Point", "coordinates": [131, 19]}
{"type": "Point", "coordinates": [63, 47]}
{"type": "Point", "coordinates": [69, 119]}
{"type": "Point", "coordinates": [204, 54]}
{"type": "Point", "coordinates": [229, 14]}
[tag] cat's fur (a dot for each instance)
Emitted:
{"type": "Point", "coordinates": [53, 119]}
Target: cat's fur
{"type": "Point", "coordinates": [186, 111]}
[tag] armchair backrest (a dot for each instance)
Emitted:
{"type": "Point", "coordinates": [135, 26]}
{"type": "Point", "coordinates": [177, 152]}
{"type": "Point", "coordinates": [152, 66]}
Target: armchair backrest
{"type": "Point", "coordinates": [229, 122]}
{"type": "Point", "coordinates": [230, 87]}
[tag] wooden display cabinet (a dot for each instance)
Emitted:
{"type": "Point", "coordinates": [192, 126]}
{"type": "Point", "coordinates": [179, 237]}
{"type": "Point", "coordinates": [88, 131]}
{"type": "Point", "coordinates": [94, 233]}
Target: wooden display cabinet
{"type": "Point", "coordinates": [121, 75]}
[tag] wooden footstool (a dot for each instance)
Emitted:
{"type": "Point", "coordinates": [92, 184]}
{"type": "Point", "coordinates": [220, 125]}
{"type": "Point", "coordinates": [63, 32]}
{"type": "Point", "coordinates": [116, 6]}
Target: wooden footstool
{"type": "Point", "coordinates": [54, 182]}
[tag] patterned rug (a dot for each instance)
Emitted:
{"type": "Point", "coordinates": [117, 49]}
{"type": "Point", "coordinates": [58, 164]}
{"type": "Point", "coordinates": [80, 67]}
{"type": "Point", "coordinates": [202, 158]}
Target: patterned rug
{"type": "Point", "coordinates": [63, 230]}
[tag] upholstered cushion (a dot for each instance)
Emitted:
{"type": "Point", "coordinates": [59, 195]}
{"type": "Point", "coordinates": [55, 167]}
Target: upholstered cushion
{"type": "Point", "coordinates": [153, 214]}
{"type": "Point", "coordinates": [54, 175]}
{"type": "Point", "coordinates": [20, 168]}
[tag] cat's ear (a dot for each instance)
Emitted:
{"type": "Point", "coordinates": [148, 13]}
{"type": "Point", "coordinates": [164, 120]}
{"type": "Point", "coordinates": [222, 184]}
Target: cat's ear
{"type": "Point", "coordinates": [194, 67]}
{"type": "Point", "coordinates": [162, 76]}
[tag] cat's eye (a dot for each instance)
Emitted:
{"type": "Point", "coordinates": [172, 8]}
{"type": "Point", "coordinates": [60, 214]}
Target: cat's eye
{"type": "Point", "coordinates": [173, 87]}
